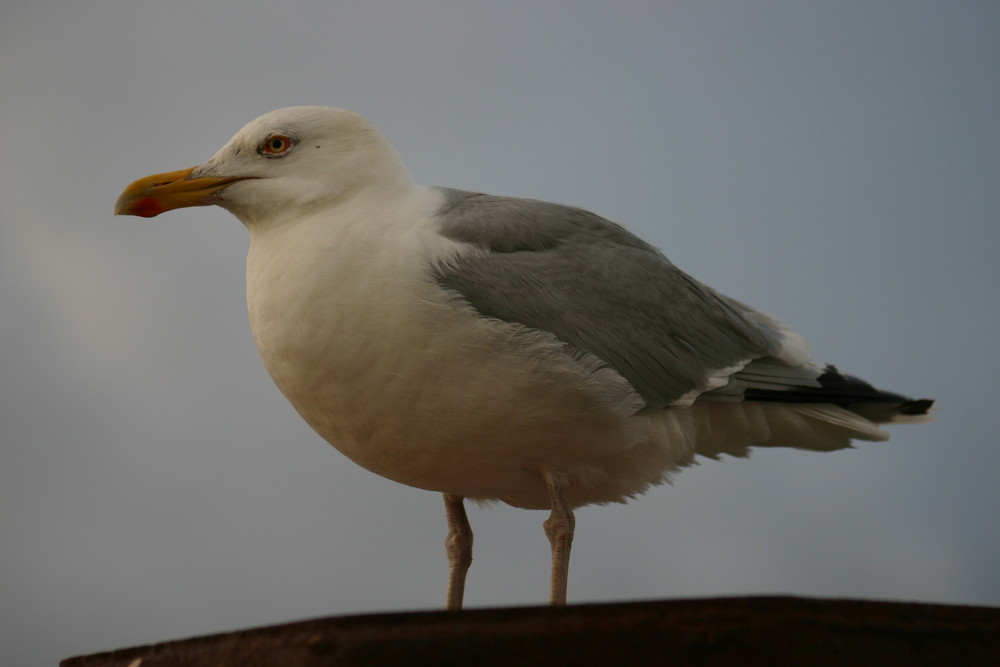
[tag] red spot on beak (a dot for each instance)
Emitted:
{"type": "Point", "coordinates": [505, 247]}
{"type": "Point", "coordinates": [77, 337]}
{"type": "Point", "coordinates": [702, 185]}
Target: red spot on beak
{"type": "Point", "coordinates": [147, 207]}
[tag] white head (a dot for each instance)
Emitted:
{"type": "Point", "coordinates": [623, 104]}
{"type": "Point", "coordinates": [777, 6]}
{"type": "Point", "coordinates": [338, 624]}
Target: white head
{"type": "Point", "coordinates": [282, 164]}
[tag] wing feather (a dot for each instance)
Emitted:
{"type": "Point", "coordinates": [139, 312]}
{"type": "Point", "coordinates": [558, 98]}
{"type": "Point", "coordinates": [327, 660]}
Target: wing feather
{"type": "Point", "coordinates": [602, 290]}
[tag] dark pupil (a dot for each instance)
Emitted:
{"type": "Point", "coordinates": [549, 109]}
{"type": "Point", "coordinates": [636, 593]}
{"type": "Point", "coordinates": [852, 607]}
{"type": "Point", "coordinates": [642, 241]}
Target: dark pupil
{"type": "Point", "coordinates": [276, 144]}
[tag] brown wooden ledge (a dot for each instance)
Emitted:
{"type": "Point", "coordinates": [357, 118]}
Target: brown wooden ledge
{"type": "Point", "coordinates": [717, 631]}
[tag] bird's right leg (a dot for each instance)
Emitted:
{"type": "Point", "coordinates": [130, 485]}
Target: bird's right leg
{"type": "Point", "coordinates": [458, 544]}
{"type": "Point", "coordinates": [559, 528]}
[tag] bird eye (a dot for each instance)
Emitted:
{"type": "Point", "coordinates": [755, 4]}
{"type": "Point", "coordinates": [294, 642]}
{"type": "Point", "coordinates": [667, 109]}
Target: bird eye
{"type": "Point", "coordinates": [275, 145]}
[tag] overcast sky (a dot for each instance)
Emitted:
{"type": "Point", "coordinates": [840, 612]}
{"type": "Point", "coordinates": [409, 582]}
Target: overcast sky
{"type": "Point", "coordinates": [834, 164]}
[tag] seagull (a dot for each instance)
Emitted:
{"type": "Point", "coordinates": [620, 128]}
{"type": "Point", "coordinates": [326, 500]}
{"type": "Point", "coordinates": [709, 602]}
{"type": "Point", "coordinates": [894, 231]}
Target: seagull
{"type": "Point", "coordinates": [495, 348]}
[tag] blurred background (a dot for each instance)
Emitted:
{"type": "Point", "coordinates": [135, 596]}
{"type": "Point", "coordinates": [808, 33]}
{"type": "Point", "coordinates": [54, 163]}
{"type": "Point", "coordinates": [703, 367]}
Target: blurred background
{"type": "Point", "coordinates": [834, 164]}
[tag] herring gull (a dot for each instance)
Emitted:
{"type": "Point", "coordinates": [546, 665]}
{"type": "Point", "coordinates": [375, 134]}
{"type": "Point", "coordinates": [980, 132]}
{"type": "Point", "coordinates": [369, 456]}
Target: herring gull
{"type": "Point", "coordinates": [495, 348]}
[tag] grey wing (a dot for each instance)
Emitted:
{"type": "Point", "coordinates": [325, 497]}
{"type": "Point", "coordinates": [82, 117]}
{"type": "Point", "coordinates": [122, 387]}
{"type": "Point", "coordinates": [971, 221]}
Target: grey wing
{"type": "Point", "coordinates": [600, 289]}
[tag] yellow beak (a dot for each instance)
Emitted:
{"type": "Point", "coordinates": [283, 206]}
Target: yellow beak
{"type": "Point", "coordinates": [151, 196]}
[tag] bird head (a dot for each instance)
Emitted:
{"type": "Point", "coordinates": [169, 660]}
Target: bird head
{"type": "Point", "coordinates": [281, 164]}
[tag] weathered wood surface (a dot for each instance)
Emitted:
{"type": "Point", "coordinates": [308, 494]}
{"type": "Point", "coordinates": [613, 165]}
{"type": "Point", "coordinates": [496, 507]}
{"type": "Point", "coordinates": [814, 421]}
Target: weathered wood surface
{"type": "Point", "coordinates": [723, 631]}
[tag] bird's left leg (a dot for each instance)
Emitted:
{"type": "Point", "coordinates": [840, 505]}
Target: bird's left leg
{"type": "Point", "coordinates": [559, 529]}
{"type": "Point", "coordinates": [458, 544]}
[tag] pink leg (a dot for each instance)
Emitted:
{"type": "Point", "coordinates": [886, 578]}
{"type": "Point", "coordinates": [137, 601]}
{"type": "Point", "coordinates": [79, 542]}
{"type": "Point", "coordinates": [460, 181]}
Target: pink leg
{"type": "Point", "coordinates": [559, 529]}
{"type": "Point", "coordinates": [458, 544]}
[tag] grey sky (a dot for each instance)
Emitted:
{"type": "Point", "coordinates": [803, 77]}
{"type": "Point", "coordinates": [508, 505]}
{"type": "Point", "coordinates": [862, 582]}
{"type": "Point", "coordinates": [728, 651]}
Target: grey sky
{"type": "Point", "coordinates": [834, 164]}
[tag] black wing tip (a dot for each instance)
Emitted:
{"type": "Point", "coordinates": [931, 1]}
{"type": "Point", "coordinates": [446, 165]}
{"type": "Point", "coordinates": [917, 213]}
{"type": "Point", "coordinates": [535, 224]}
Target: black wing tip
{"type": "Point", "coordinates": [917, 406]}
{"type": "Point", "coordinates": [857, 390]}
{"type": "Point", "coordinates": [846, 391]}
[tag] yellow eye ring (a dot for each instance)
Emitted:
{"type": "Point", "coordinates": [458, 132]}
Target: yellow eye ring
{"type": "Point", "coordinates": [275, 144]}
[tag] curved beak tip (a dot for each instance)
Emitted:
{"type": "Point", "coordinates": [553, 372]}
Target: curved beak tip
{"type": "Point", "coordinates": [144, 207]}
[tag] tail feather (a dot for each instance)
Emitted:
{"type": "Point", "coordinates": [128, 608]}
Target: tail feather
{"type": "Point", "coordinates": [719, 427]}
